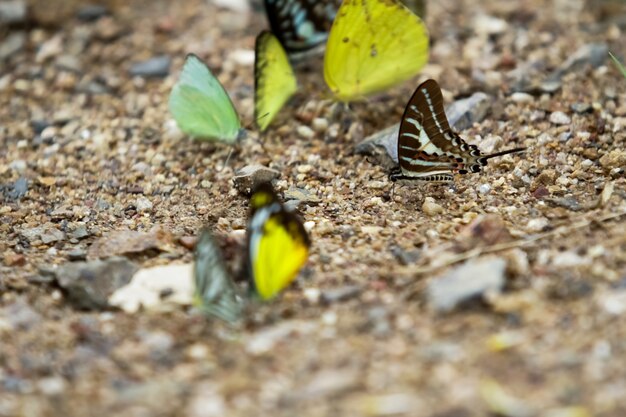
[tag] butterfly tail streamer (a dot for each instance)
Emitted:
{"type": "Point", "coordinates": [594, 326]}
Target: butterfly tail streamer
{"type": "Point", "coordinates": [505, 152]}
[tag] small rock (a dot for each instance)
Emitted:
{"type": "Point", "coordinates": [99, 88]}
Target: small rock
{"type": "Point", "coordinates": [569, 202]}
{"type": "Point", "coordinates": [147, 287]}
{"type": "Point", "coordinates": [251, 176]}
{"type": "Point", "coordinates": [19, 166]}
{"type": "Point", "coordinates": [614, 159]}
{"type": "Point", "coordinates": [302, 195]}
{"type": "Point", "coordinates": [472, 279]}
{"type": "Point", "coordinates": [13, 12]}
{"type": "Point", "coordinates": [92, 12]}
{"type": "Point", "coordinates": [581, 108]}
{"type": "Point", "coordinates": [47, 233]}
{"type": "Point", "coordinates": [489, 25]}
{"type": "Point", "coordinates": [154, 67]}
{"type": "Point", "coordinates": [20, 315]}
{"type": "Point", "coordinates": [519, 97]}
{"type": "Point", "coordinates": [382, 145]}
{"type": "Point", "coordinates": [430, 208]}
{"type": "Point", "coordinates": [88, 285]}
{"type": "Point", "coordinates": [614, 303]}
{"type": "Point", "coordinates": [14, 259]}
{"type": "Point", "coordinates": [462, 114]}
{"type": "Point", "coordinates": [341, 294]}
{"type": "Point", "coordinates": [560, 118]}
{"type": "Point", "coordinates": [143, 204]}
{"type": "Point", "coordinates": [594, 54]}
{"type": "Point", "coordinates": [17, 190]}
{"type": "Point", "coordinates": [50, 48]}
{"type": "Point", "coordinates": [242, 57]}
{"type": "Point", "coordinates": [320, 125]}
{"type": "Point", "coordinates": [126, 242]}
{"type": "Point", "coordinates": [305, 132]}
{"type": "Point", "coordinates": [13, 43]}
{"type": "Point", "coordinates": [188, 242]}
{"type": "Point", "coordinates": [77, 254]}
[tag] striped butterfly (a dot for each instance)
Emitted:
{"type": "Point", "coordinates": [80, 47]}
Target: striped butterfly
{"type": "Point", "coordinates": [428, 149]}
{"type": "Point", "coordinates": [301, 26]}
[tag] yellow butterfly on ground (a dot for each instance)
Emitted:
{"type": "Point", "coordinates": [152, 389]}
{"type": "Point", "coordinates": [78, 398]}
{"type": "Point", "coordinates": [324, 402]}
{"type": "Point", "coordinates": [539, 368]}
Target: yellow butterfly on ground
{"type": "Point", "coordinates": [274, 80]}
{"type": "Point", "coordinates": [372, 46]}
{"type": "Point", "coordinates": [278, 244]}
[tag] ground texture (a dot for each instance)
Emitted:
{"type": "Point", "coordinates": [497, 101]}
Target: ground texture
{"type": "Point", "coordinates": [86, 148]}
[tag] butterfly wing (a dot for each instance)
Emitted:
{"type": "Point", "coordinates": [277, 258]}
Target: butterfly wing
{"type": "Point", "coordinates": [373, 45]}
{"type": "Point", "coordinates": [201, 106]}
{"type": "Point", "coordinates": [278, 244]}
{"type": "Point", "coordinates": [274, 80]}
{"type": "Point", "coordinates": [215, 294]}
{"type": "Point", "coordinates": [301, 25]}
{"type": "Point", "coordinates": [427, 147]}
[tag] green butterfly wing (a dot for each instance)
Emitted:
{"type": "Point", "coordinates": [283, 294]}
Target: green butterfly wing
{"type": "Point", "coordinates": [201, 106]}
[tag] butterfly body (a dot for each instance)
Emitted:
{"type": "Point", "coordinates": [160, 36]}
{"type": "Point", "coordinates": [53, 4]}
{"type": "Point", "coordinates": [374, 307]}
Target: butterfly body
{"type": "Point", "coordinates": [428, 149]}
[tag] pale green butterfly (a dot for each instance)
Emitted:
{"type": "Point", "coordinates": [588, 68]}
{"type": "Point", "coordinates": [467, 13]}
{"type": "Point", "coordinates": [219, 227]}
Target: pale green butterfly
{"type": "Point", "coordinates": [201, 106]}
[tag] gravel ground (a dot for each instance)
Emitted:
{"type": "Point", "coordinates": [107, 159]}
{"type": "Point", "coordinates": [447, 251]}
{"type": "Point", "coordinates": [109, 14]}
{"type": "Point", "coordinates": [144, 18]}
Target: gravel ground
{"type": "Point", "coordinates": [503, 293]}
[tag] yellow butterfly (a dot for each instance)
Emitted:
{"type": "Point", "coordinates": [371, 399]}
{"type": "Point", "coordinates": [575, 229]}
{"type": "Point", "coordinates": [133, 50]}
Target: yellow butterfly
{"type": "Point", "coordinates": [274, 80]}
{"type": "Point", "coordinates": [278, 244]}
{"type": "Point", "coordinates": [373, 45]}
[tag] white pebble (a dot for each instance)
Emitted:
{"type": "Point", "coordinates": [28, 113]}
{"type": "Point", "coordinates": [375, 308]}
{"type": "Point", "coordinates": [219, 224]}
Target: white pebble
{"type": "Point", "coordinates": [305, 132]}
{"type": "Point", "coordinates": [560, 118]}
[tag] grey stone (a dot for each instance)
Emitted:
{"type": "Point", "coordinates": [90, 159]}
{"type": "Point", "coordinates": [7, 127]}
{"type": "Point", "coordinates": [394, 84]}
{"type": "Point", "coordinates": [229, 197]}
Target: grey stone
{"type": "Point", "coordinates": [158, 66]}
{"type": "Point", "coordinates": [88, 285]}
{"type": "Point", "coordinates": [472, 279]}
{"type": "Point", "coordinates": [13, 12]}
{"type": "Point", "coordinates": [250, 176]}
{"type": "Point", "coordinates": [12, 44]}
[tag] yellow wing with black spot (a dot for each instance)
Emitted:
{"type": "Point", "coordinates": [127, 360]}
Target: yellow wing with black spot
{"type": "Point", "coordinates": [278, 244]}
{"type": "Point", "coordinates": [373, 45]}
{"type": "Point", "coordinates": [274, 80]}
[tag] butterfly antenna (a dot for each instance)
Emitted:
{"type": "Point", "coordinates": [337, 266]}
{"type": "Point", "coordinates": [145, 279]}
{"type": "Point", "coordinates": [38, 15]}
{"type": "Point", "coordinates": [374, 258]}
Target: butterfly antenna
{"type": "Point", "coordinates": [505, 152]}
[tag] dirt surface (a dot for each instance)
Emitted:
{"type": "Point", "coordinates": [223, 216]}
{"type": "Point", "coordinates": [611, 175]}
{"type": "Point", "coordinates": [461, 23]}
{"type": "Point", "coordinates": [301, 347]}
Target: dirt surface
{"type": "Point", "coordinates": [358, 334]}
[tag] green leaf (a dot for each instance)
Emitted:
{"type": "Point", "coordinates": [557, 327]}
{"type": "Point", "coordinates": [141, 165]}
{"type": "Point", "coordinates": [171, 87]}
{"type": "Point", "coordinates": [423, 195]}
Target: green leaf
{"type": "Point", "coordinates": [618, 64]}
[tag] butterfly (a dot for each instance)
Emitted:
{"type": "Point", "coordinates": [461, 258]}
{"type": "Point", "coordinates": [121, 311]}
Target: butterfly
{"type": "Point", "coordinates": [278, 244]}
{"type": "Point", "coordinates": [301, 26]}
{"type": "Point", "coordinates": [215, 292]}
{"type": "Point", "coordinates": [201, 106]}
{"type": "Point", "coordinates": [428, 149]}
{"type": "Point", "coordinates": [277, 248]}
{"type": "Point", "coordinates": [274, 80]}
{"type": "Point", "coordinates": [373, 45]}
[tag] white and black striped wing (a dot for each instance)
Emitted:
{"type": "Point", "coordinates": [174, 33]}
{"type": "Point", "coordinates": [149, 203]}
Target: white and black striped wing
{"type": "Point", "coordinates": [215, 293]}
{"type": "Point", "coordinates": [301, 25]}
{"type": "Point", "coordinates": [427, 147]}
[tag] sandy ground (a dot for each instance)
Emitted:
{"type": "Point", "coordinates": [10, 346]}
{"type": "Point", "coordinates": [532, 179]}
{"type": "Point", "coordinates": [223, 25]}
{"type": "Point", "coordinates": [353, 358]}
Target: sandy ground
{"type": "Point", "coordinates": [99, 153]}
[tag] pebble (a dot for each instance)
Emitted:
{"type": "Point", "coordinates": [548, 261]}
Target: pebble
{"type": "Point", "coordinates": [20, 315]}
{"type": "Point", "coordinates": [148, 285]}
{"type": "Point", "coordinates": [581, 108]}
{"type": "Point", "coordinates": [560, 118]}
{"type": "Point", "coordinates": [12, 44]}
{"type": "Point", "coordinates": [320, 125]}
{"type": "Point", "coordinates": [520, 97]}
{"type": "Point", "coordinates": [19, 166]}
{"type": "Point", "coordinates": [92, 12]}
{"type": "Point", "coordinates": [77, 254]}
{"type": "Point", "coordinates": [472, 279]}
{"type": "Point", "coordinates": [250, 176]}
{"type": "Point", "coordinates": [302, 195]}
{"type": "Point", "coordinates": [484, 188]}
{"type": "Point", "coordinates": [430, 208]}
{"type": "Point", "coordinates": [614, 159]}
{"type": "Point", "coordinates": [87, 285]}
{"type": "Point", "coordinates": [143, 204]}
{"type": "Point", "coordinates": [305, 132]}
{"type": "Point", "coordinates": [13, 12]}
{"type": "Point", "coordinates": [158, 66]}
{"type": "Point", "coordinates": [341, 294]}
{"type": "Point", "coordinates": [462, 114]}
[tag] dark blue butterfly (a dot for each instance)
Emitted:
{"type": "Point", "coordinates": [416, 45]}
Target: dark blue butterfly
{"type": "Point", "coordinates": [301, 26]}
